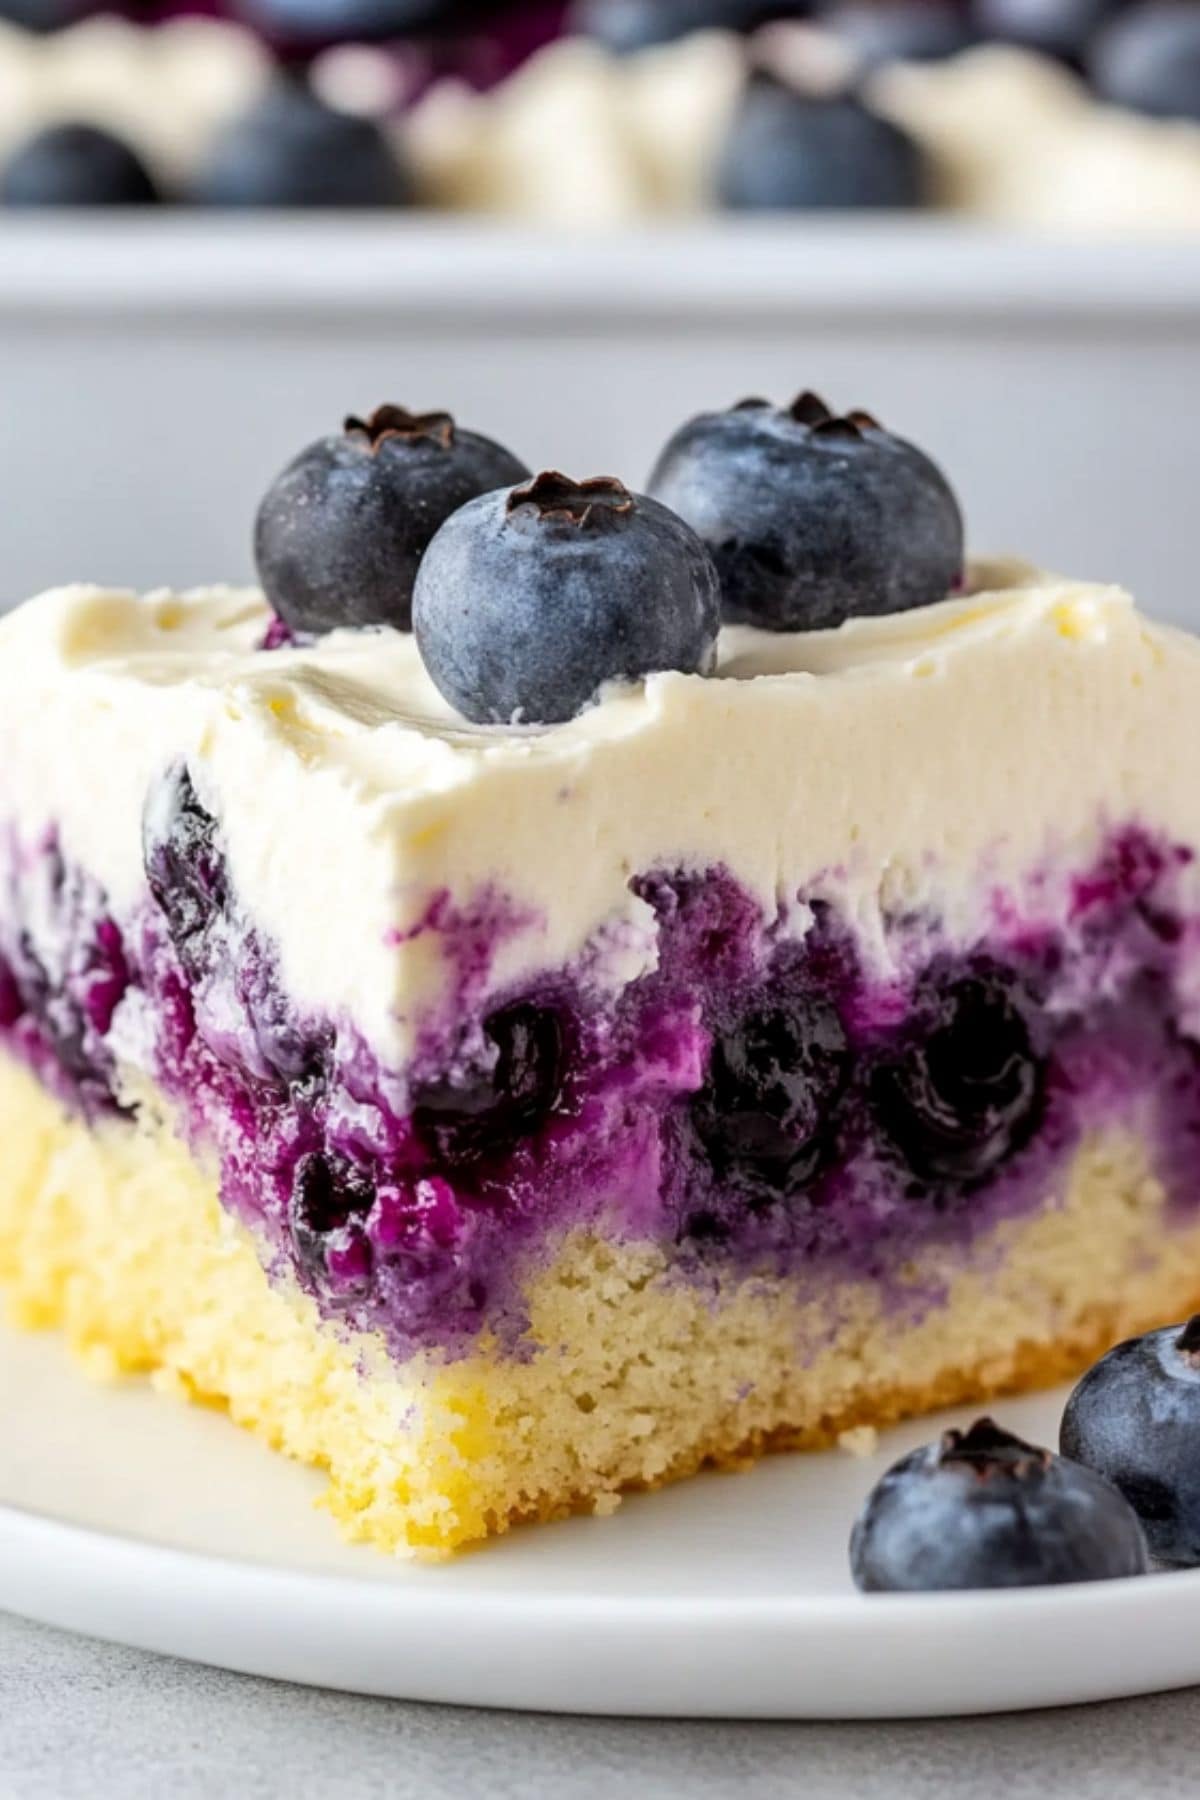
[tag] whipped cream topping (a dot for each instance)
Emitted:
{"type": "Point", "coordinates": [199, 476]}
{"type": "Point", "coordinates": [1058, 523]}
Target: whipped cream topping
{"type": "Point", "coordinates": [1010, 135]}
{"type": "Point", "coordinates": [919, 761]}
{"type": "Point", "coordinates": [1016, 138]}
{"type": "Point", "coordinates": [167, 90]}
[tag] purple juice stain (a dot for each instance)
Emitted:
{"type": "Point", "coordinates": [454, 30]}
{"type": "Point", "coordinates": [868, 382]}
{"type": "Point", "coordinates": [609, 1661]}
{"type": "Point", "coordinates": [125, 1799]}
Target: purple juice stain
{"type": "Point", "coordinates": [755, 1102]}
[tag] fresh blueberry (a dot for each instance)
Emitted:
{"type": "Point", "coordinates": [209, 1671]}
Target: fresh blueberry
{"type": "Point", "coordinates": [42, 15]}
{"type": "Point", "coordinates": [1059, 28]}
{"type": "Point", "coordinates": [321, 22]}
{"type": "Point", "coordinates": [1149, 59]}
{"type": "Point", "coordinates": [290, 149]}
{"type": "Point", "coordinates": [884, 31]}
{"type": "Point", "coordinates": [76, 165]}
{"type": "Point", "coordinates": [185, 866]}
{"type": "Point", "coordinates": [627, 25]}
{"type": "Point", "coordinates": [981, 1509]}
{"type": "Point", "coordinates": [342, 530]}
{"type": "Point", "coordinates": [812, 519]}
{"type": "Point", "coordinates": [327, 1206]}
{"type": "Point", "coordinates": [530, 599]}
{"type": "Point", "coordinates": [786, 150]}
{"type": "Point", "coordinates": [485, 1113]}
{"type": "Point", "coordinates": [766, 1110]}
{"type": "Point", "coordinates": [966, 1093]}
{"type": "Point", "coordinates": [1135, 1419]}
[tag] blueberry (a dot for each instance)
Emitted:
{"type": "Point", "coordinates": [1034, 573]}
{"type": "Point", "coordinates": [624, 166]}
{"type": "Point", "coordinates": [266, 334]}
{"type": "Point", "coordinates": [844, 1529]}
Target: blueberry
{"type": "Point", "coordinates": [884, 31]}
{"type": "Point", "coordinates": [341, 532]}
{"type": "Point", "coordinates": [529, 600]}
{"type": "Point", "coordinates": [626, 25]}
{"type": "Point", "coordinates": [42, 15]}
{"type": "Point", "coordinates": [812, 519]}
{"type": "Point", "coordinates": [327, 1206]}
{"type": "Point", "coordinates": [76, 165]}
{"type": "Point", "coordinates": [486, 1113]}
{"type": "Point", "coordinates": [786, 150]}
{"type": "Point", "coordinates": [321, 22]}
{"type": "Point", "coordinates": [185, 866]}
{"type": "Point", "coordinates": [1059, 28]}
{"type": "Point", "coordinates": [766, 1110]}
{"type": "Point", "coordinates": [1135, 1419]}
{"type": "Point", "coordinates": [1149, 59]}
{"type": "Point", "coordinates": [967, 1091]}
{"type": "Point", "coordinates": [290, 149]}
{"type": "Point", "coordinates": [981, 1509]}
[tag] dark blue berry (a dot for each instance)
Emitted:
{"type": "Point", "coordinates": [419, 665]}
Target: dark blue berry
{"type": "Point", "coordinates": [486, 1112]}
{"type": "Point", "coordinates": [884, 31]}
{"type": "Point", "coordinates": [291, 149]}
{"type": "Point", "coordinates": [981, 1509]}
{"type": "Point", "coordinates": [626, 25]}
{"type": "Point", "coordinates": [966, 1094]}
{"type": "Point", "coordinates": [1135, 1419]}
{"type": "Point", "coordinates": [341, 532]}
{"type": "Point", "coordinates": [812, 519]}
{"type": "Point", "coordinates": [76, 165]}
{"type": "Point", "coordinates": [1149, 59]}
{"type": "Point", "coordinates": [786, 150]}
{"type": "Point", "coordinates": [319, 22]}
{"type": "Point", "coordinates": [185, 865]}
{"type": "Point", "coordinates": [43, 15]}
{"type": "Point", "coordinates": [328, 1203]}
{"type": "Point", "coordinates": [1059, 28]}
{"type": "Point", "coordinates": [766, 1112]}
{"type": "Point", "coordinates": [528, 601]}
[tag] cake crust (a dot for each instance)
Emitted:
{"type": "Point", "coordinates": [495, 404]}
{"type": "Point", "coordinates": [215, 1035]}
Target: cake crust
{"type": "Point", "coordinates": [117, 1237]}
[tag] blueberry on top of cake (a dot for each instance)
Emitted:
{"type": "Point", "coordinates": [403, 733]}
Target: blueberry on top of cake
{"type": "Point", "coordinates": [535, 1054]}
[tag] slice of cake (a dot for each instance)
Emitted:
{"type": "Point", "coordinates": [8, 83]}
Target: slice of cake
{"type": "Point", "coordinates": [505, 1115]}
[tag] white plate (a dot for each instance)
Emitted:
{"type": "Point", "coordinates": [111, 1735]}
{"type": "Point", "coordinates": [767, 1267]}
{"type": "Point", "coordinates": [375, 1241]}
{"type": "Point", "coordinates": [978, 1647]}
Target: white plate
{"type": "Point", "coordinates": [130, 1517]}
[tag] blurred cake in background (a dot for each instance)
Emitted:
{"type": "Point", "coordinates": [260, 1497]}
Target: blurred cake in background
{"type": "Point", "coordinates": [1062, 114]}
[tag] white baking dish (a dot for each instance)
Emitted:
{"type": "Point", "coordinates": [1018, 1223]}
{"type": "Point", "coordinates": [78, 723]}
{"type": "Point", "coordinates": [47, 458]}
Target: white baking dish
{"type": "Point", "coordinates": [155, 371]}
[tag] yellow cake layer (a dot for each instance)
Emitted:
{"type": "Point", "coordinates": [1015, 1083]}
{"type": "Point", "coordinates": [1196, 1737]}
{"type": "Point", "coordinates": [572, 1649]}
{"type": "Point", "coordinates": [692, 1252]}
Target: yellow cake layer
{"type": "Point", "coordinates": [116, 1235]}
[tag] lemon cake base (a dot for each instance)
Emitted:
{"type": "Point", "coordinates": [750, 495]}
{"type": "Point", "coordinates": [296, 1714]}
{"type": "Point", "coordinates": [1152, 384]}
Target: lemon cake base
{"type": "Point", "coordinates": [114, 1233]}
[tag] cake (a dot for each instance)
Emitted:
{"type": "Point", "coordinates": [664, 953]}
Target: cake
{"type": "Point", "coordinates": [504, 1116]}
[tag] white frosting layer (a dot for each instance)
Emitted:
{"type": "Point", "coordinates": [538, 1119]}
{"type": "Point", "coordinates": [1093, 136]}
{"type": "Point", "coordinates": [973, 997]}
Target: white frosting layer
{"type": "Point", "coordinates": [913, 758]}
{"type": "Point", "coordinates": [1011, 135]}
{"type": "Point", "coordinates": [166, 90]}
{"type": "Point", "coordinates": [1016, 138]}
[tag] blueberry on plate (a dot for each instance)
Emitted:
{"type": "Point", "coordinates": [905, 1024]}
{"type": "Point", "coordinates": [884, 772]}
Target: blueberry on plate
{"type": "Point", "coordinates": [76, 165]}
{"type": "Point", "coordinates": [787, 150]}
{"type": "Point", "coordinates": [1058, 28]}
{"type": "Point", "coordinates": [982, 1509]}
{"type": "Point", "coordinates": [291, 150]}
{"type": "Point", "coordinates": [1149, 59]}
{"type": "Point", "coordinates": [966, 1091]}
{"type": "Point", "coordinates": [529, 600]}
{"type": "Point", "coordinates": [626, 25]}
{"type": "Point", "coordinates": [1135, 1419]}
{"type": "Point", "coordinates": [812, 519]}
{"type": "Point", "coordinates": [885, 31]}
{"type": "Point", "coordinates": [341, 532]}
{"type": "Point", "coordinates": [765, 1112]}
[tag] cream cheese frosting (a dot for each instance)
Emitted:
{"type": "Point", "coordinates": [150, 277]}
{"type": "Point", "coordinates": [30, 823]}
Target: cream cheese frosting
{"type": "Point", "coordinates": [166, 90]}
{"type": "Point", "coordinates": [919, 758]}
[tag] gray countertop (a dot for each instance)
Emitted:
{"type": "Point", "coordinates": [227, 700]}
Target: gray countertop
{"type": "Point", "coordinates": [79, 1718]}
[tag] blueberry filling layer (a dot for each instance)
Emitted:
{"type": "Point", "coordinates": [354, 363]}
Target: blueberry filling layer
{"type": "Point", "coordinates": [761, 1100]}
